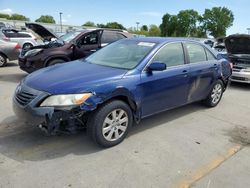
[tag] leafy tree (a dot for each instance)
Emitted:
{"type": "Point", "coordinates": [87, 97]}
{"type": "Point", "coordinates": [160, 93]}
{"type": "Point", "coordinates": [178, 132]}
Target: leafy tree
{"type": "Point", "coordinates": [18, 17]}
{"type": "Point", "coordinates": [217, 20]}
{"type": "Point", "coordinates": [154, 30]}
{"type": "Point", "coordinates": [101, 25]}
{"type": "Point", "coordinates": [169, 25]}
{"type": "Point", "coordinates": [187, 23]}
{"type": "Point", "coordinates": [144, 28]}
{"type": "Point", "coordinates": [115, 25]}
{"type": "Point", "coordinates": [46, 19]}
{"type": "Point", "coordinates": [89, 24]}
{"type": "Point", "coordinates": [4, 16]}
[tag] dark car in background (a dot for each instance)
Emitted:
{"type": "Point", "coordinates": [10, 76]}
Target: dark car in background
{"type": "Point", "coordinates": [8, 51]}
{"type": "Point", "coordinates": [124, 82]}
{"type": "Point", "coordinates": [71, 46]}
{"type": "Point", "coordinates": [238, 49]}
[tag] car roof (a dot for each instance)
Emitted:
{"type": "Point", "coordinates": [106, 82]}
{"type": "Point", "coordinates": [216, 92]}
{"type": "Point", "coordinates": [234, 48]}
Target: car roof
{"type": "Point", "coordinates": [163, 39]}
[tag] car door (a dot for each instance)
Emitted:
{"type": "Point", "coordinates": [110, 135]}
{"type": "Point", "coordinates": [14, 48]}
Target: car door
{"type": "Point", "coordinates": [166, 89]}
{"type": "Point", "coordinates": [87, 44]}
{"type": "Point", "coordinates": [202, 72]}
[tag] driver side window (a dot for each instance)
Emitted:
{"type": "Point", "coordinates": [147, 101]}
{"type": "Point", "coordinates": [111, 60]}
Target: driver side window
{"type": "Point", "coordinates": [89, 39]}
{"type": "Point", "coordinates": [171, 54]}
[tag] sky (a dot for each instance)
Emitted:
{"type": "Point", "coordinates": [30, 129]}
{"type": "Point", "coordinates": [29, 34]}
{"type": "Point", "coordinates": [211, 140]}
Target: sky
{"type": "Point", "coordinates": [126, 12]}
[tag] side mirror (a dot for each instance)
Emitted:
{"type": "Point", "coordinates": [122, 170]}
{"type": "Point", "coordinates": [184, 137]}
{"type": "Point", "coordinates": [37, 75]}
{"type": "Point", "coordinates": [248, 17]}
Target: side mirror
{"type": "Point", "coordinates": [157, 66]}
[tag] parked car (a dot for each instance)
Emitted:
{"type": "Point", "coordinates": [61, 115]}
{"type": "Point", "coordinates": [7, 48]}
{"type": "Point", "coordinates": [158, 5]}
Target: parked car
{"type": "Point", "coordinates": [238, 48]}
{"type": "Point", "coordinates": [25, 39]}
{"type": "Point", "coordinates": [71, 46]}
{"type": "Point", "coordinates": [124, 82]}
{"type": "Point", "coordinates": [8, 51]}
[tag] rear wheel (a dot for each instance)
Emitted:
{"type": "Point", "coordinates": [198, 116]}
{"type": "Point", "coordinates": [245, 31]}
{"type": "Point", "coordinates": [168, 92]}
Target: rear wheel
{"type": "Point", "coordinates": [215, 94]}
{"type": "Point", "coordinates": [3, 60]}
{"type": "Point", "coordinates": [109, 125]}
{"type": "Point", "coordinates": [55, 61]}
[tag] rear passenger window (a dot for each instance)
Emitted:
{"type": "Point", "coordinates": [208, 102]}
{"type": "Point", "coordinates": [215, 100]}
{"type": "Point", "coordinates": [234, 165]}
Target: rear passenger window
{"type": "Point", "coordinates": [108, 37]}
{"type": "Point", "coordinates": [171, 54]}
{"type": "Point", "coordinates": [210, 56]}
{"type": "Point", "coordinates": [196, 53]}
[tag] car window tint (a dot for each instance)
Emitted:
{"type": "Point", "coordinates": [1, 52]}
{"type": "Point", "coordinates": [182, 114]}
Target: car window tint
{"type": "Point", "coordinates": [171, 55]}
{"type": "Point", "coordinates": [210, 56]}
{"type": "Point", "coordinates": [120, 36]}
{"type": "Point", "coordinates": [109, 37]}
{"type": "Point", "coordinates": [196, 53]}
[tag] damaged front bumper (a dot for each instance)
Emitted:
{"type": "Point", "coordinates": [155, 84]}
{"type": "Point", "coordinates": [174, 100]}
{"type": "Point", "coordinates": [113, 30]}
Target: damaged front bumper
{"type": "Point", "coordinates": [26, 103]}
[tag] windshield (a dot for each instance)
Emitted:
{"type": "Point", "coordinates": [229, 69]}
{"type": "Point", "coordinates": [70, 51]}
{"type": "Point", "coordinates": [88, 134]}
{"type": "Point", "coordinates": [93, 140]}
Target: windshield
{"type": "Point", "coordinates": [69, 36]}
{"type": "Point", "coordinates": [124, 54]}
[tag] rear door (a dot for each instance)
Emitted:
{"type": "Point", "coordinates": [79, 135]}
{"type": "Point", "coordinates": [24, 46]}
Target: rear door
{"type": "Point", "coordinates": [202, 72]}
{"type": "Point", "coordinates": [87, 44]}
{"type": "Point", "coordinates": [165, 89]}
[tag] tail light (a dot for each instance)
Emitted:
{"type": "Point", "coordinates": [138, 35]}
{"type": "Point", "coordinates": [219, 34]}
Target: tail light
{"type": "Point", "coordinates": [18, 46]}
{"type": "Point", "coordinates": [5, 38]}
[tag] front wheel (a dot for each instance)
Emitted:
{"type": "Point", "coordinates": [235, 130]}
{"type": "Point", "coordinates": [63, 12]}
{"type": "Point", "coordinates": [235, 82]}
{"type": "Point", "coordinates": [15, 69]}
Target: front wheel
{"type": "Point", "coordinates": [215, 94]}
{"type": "Point", "coordinates": [109, 125]}
{"type": "Point", "coordinates": [3, 60]}
{"type": "Point", "coordinates": [55, 61]}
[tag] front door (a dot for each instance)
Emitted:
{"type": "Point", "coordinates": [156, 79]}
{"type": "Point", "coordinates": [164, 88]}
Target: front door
{"type": "Point", "coordinates": [162, 90]}
{"type": "Point", "coordinates": [87, 44]}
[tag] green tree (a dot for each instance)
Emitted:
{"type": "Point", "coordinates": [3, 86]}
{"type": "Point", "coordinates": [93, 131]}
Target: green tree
{"type": "Point", "coordinates": [46, 19]}
{"type": "Point", "coordinates": [89, 24]}
{"type": "Point", "coordinates": [101, 25]}
{"type": "Point", "coordinates": [169, 25]}
{"type": "Point", "coordinates": [18, 17]}
{"type": "Point", "coordinates": [217, 20]}
{"type": "Point", "coordinates": [4, 16]}
{"type": "Point", "coordinates": [154, 30]}
{"type": "Point", "coordinates": [144, 28]}
{"type": "Point", "coordinates": [187, 23]}
{"type": "Point", "coordinates": [115, 25]}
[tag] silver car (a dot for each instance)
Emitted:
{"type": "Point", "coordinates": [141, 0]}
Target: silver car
{"type": "Point", "coordinates": [25, 39]}
{"type": "Point", "coordinates": [8, 51]}
{"type": "Point", "coordinates": [238, 48]}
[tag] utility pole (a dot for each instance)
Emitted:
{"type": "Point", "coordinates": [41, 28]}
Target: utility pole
{"type": "Point", "coordinates": [137, 24]}
{"type": "Point", "coordinates": [61, 20]}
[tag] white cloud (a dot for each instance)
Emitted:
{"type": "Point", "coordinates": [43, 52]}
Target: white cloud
{"type": "Point", "coordinates": [151, 14]}
{"type": "Point", "coordinates": [6, 11]}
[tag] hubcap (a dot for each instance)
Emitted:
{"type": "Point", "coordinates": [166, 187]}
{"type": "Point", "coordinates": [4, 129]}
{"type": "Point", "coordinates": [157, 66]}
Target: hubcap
{"type": "Point", "coordinates": [2, 60]}
{"type": "Point", "coordinates": [216, 93]}
{"type": "Point", "coordinates": [115, 124]}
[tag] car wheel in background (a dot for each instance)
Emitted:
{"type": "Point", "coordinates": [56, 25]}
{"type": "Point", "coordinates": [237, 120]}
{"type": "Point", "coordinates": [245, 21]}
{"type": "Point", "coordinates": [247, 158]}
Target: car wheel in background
{"type": "Point", "coordinates": [3, 60]}
{"type": "Point", "coordinates": [215, 94]}
{"type": "Point", "coordinates": [55, 61]}
{"type": "Point", "coordinates": [27, 45]}
{"type": "Point", "coordinates": [109, 125]}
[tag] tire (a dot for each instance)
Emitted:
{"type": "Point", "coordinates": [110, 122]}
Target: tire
{"type": "Point", "coordinates": [3, 60]}
{"type": "Point", "coordinates": [215, 94]}
{"type": "Point", "coordinates": [27, 45]}
{"type": "Point", "coordinates": [109, 125]}
{"type": "Point", "coordinates": [55, 61]}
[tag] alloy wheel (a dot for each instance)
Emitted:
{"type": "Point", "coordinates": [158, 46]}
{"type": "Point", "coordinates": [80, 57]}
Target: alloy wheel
{"type": "Point", "coordinates": [216, 93]}
{"type": "Point", "coordinates": [115, 125]}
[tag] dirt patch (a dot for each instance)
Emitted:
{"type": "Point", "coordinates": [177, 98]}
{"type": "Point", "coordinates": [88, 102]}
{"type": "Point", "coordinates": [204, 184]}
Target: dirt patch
{"type": "Point", "coordinates": [240, 135]}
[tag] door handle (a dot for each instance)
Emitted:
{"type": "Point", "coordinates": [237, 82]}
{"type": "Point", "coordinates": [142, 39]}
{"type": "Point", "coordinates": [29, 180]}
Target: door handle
{"type": "Point", "coordinates": [184, 71]}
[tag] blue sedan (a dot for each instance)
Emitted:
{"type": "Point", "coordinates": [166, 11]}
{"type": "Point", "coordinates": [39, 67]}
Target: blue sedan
{"type": "Point", "coordinates": [120, 84]}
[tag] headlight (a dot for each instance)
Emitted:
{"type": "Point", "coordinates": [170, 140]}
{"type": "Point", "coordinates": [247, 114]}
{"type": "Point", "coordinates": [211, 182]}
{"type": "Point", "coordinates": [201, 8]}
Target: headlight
{"type": "Point", "coordinates": [32, 52]}
{"type": "Point", "coordinates": [66, 100]}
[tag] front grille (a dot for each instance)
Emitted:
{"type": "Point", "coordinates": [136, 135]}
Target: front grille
{"type": "Point", "coordinates": [24, 98]}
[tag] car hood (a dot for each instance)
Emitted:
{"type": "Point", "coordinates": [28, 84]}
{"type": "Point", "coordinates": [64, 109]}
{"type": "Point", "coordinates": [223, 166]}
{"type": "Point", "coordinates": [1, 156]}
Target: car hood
{"type": "Point", "coordinates": [72, 77]}
{"type": "Point", "coordinates": [41, 31]}
{"type": "Point", "coordinates": [238, 44]}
